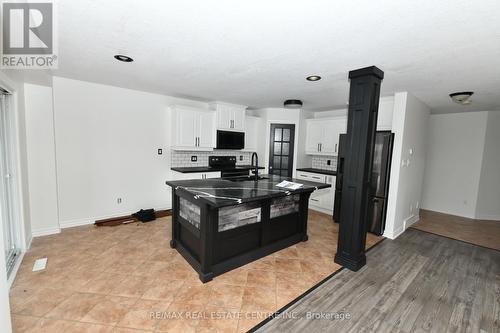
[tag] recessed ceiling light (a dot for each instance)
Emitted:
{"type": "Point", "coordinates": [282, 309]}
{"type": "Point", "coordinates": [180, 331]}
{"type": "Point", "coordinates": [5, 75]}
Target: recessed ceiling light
{"type": "Point", "coordinates": [462, 97]}
{"type": "Point", "coordinates": [313, 78]}
{"type": "Point", "coordinates": [293, 104]}
{"type": "Point", "coordinates": [124, 58]}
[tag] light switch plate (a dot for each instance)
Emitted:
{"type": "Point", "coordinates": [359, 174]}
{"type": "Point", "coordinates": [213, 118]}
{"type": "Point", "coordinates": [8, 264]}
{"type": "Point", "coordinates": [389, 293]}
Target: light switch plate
{"type": "Point", "coordinates": [39, 264]}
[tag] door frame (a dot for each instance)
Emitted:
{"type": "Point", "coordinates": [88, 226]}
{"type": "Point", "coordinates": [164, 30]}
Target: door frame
{"type": "Point", "coordinates": [268, 140]}
{"type": "Point", "coordinates": [20, 201]}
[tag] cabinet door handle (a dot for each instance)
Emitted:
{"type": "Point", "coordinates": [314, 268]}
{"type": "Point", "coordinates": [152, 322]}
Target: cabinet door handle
{"type": "Point", "coordinates": [318, 146]}
{"type": "Point", "coordinates": [336, 147]}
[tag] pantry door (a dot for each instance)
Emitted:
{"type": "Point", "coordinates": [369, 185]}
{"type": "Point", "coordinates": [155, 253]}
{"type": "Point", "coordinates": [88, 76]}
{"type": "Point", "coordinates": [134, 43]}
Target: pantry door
{"type": "Point", "coordinates": [281, 146]}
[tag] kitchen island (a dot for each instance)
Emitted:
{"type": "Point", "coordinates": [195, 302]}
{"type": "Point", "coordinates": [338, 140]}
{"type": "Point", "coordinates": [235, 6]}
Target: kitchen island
{"type": "Point", "coordinates": [220, 224]}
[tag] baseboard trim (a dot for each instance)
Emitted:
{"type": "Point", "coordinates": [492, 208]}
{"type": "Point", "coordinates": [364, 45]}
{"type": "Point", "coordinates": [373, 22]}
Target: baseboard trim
{"type": "Point", "coordinates": [411, 220]}
{"type": "Point", "coordinates": [77, 222]}
{"type": "Point", "coordinates": [15, 269]}
{"type": "Point", "coordinates": [488, 217]}
{"type": "Point", "coordinates": [321, 210]}
{"type": "Point", "coordinates": [395, 234]}
{"type": "Point", "coordinates": [43, 232]}
{"type": "Point", "coordinates": [87, 221]}
{"type": "Point", "coordinates": [28, 245]}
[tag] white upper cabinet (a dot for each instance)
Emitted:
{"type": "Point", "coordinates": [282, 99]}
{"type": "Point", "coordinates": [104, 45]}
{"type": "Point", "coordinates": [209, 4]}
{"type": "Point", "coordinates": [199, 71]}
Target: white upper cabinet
{"type": "Point", "coordinates": [193, 128]}
{"type": "Point", "coordinates": [314, 134]}
{"type": "Point", "coordinates": [230, 117]}
{"type": "Point", "coordinates": [251, 133]}
{"type": "Point", "coordinates": [385, 110]}
{"type": "Point", "coordinates": [322, 135]}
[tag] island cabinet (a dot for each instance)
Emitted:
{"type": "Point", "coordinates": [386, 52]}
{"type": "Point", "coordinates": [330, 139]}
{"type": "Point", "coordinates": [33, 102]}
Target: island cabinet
{"type": "Point", "coordinates": [219, 225]}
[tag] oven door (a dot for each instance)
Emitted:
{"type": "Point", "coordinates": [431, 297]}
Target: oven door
{"type": "Point", "coordinates": [234, 173]}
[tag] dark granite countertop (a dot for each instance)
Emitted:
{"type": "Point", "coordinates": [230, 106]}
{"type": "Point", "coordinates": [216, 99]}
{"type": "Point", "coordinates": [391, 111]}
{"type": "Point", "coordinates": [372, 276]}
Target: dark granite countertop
{"type": "Point", "coordinates": [211, 169]}
{"type": "Point", "coordinates": [219, 192]}
{"type": "Point", "coordinates": [321, 171]}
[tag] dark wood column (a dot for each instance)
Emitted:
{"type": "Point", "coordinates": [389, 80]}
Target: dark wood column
{"type": "Point", "coordinates": [361, 127]}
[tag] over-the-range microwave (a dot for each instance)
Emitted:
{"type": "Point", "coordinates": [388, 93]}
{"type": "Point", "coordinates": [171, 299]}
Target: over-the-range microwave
{"type": "Point", "coordinates": [230, 140]}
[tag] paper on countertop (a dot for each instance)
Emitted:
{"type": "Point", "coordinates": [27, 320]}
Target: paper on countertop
{"type": "Point", "coordinates": [289, 185]}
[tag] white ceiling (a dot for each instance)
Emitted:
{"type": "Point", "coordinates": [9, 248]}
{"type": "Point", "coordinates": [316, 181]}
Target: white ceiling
{"type": "Point", "coordinates": [258, 53]}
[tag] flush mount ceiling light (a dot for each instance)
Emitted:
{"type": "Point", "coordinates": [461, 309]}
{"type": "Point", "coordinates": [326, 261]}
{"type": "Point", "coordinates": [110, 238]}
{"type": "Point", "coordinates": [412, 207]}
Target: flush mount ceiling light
{"type": "Point", "coordinates": [293, 104]}
{"type": "Point", "coordinates": [313, 78]}
{"type": "Point", "coordinates": [124, 58]}
{"type": "Point", "coordinates": [463, 97]}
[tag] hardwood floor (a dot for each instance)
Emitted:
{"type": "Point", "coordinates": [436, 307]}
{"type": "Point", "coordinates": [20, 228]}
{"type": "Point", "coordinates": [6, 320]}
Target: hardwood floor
{"type": "Point", "coordinates": [479, 232]}
{"type": "Point", "coordinates": [418, 282]}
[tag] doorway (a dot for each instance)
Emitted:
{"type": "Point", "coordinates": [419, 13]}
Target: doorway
{"type": "Point", "coordinates": [281, 147]}
{"type": "Point", "coordinates": [7, 190]}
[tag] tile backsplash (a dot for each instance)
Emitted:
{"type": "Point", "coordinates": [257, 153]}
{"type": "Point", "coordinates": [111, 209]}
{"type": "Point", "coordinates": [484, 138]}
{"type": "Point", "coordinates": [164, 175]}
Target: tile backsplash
{"type": "Point", "coordinates": [321, 162]}
{"type": "Point", "coordinates": [183, 158]}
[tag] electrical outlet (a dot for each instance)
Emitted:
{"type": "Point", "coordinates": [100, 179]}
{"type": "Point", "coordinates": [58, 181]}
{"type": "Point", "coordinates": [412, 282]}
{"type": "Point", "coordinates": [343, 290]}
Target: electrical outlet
{"type": "Point", "coordinates": [119, 200]}
{"type": "Point", "coordinates": [241, 157]}
{"type": "Point", "coordinates": [328, 162]}
{"type": "Point", "coordinates": [194, 158]}
{"type": "Point", "coordinates": [160, 151]}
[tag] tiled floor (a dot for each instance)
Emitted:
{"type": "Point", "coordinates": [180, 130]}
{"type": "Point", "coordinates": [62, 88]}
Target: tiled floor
{"type": "Point", "coordinates": [479, 232]}
{"type": "Point", "coordinates": [127, 279]}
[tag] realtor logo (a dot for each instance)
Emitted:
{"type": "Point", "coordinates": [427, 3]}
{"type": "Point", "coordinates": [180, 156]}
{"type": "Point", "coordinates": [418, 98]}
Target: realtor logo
{"type": "Point", "coordinates": [28, 35]}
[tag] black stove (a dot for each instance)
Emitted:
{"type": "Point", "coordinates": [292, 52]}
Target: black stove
{"type": "Point", "coordinates": [227, 165]}
{"type": "Point", "coordinates": [222, 162]}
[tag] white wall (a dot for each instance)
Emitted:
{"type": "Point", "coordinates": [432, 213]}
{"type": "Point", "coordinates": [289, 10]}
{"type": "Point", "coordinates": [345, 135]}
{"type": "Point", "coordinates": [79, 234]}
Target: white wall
{"type": "Point", "coordinates": [41, 159]}
{"type": "Point", "coordinates": [409, 124]}
{"type": "Point", "coordinates": [454, 158]}
{"type": "Point", "coordinates": [488, 199]}
{"type": "Point", "coordinates": [106, 147]}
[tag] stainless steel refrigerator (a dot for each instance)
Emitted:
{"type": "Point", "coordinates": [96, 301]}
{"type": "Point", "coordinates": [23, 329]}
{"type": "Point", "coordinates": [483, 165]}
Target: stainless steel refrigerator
{"type": "Point", "coordinates": [379, 181]}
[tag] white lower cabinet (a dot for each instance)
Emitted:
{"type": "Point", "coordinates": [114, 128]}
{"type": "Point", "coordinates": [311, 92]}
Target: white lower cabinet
{"type": "Point", "coordinates": [322, 199]}
{"type": "Point", "coordinates": [194, 175]}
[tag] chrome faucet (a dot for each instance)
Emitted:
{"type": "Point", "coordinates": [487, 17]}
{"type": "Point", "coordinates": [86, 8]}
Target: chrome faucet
{"type": "Point", "coordinates": [256, 166]}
